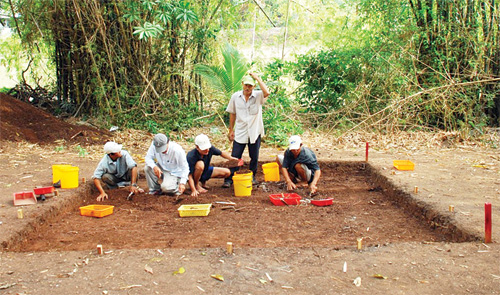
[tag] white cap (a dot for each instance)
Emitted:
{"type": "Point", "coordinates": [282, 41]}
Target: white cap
{"type": "Point", "coordinates": [202, 142]}
{"type": "Point", "coordinates": [294, 142]}
{"type": "Point", "coordinates": [112, 147]}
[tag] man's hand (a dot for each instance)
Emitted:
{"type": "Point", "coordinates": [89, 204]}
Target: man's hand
{"type": "Point", "coordinates": [313, 188]}
{"type": "Point", "coordinates": [194, 193]}
{"type": "Point", "coordinates": [157, 172]}
{"type": "Point", "coordinates": [290, 186]}
{"type": "Point", "coordinates": [101, 197]}
{"type": "Point", "coordinates": [182, 188]}
{"type": "Point", "coordinates": [134, 189]}
{"type": "Point", "coordinates": [230, 135]}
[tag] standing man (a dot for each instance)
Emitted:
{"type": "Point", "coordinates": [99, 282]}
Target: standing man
{"type": "Point", "coordinates": [299, 165]}
{"type": "Point", "coordinates": [116, 169]}
{"type": "Point", "coordinates": [166, 161]}
{"type": "Point", "coordinates": [245, 122]}
{"type": "Point", "coordinates": [199, 164]}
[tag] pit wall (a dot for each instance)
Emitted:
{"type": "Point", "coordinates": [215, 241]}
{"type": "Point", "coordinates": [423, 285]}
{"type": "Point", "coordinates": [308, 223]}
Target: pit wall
{"type": "Point", "coordinates": [443, 224]}
{"type": "Point", "coordinates": [66, 201]}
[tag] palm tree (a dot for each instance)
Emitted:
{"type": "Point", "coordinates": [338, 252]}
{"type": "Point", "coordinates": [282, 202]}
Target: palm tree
{"type": "Point", "coordinates": [226, 78]}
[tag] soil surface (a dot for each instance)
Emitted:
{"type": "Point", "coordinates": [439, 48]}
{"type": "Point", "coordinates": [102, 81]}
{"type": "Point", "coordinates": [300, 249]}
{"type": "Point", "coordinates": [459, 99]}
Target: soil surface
{"type": "Point", "coordinates": [409, 243]}
{"type": "Point", "coordinates": [360, 210]}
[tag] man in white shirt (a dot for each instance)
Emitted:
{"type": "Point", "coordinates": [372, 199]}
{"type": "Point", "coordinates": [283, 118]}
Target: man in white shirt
{"type": "Point", "coordinates": [166, 161]}
{"type": "Point", "coordinates": [245, 122]}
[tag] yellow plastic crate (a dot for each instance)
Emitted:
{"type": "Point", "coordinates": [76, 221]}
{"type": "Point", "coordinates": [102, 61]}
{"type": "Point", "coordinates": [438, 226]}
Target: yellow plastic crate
{"type": "Point", "coordinates": [194, 210]}
{"type": "Point", "coordinates": [96, 210]}
{"type": "Point", "coordinates": [406, 165]}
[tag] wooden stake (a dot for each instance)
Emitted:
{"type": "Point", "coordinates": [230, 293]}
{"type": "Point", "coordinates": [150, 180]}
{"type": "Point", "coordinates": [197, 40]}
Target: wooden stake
{"type": "Point", "coordinates": [20, 214]}
{"type": "Point", "coordinates": [99, 250]}
{"type": "Point", "coordinates": [229, 247]}
{"type": "Point", "coordinates": [360, 243]}
{"type": "Point", "coordinates": [367, 146]}
{"type": "Point", "coordinates": [416, 189]}
{"type": "Point", "coordinates": [451, 208]}
{"type": "Point", "coordinates": [487, 222]}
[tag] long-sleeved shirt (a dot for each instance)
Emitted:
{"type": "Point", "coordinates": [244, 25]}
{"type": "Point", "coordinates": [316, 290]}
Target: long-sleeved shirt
{"type": "Point", "coordinates": [173, 161]}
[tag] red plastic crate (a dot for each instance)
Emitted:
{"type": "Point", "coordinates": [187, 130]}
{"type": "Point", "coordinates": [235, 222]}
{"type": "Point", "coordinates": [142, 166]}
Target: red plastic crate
{"type": "Point", "coordinates": [24, 198]}
{"type": "Point", "coordinates": [43, 190]}
{"type": "Point", "coordinates": [285, 199]}
{"type": "Point", "coordinates": [322, 202]}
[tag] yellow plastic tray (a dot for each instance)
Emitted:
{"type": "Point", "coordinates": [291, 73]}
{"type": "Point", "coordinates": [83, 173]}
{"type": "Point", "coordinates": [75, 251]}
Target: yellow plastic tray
{"type": "Point", "coordinates": [404, 165]}
{"type": "Point", "coordinates": [194, 210]}
{"type": "Point", "coordinates": [96, 210]}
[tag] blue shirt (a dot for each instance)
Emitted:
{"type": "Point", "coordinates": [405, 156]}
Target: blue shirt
{"type": "Point", "coordinates": [118, 168]}
{"type": "Point", "coordinates": [306, 157]}
{"type": "Point", "coordinates": [194, 156]}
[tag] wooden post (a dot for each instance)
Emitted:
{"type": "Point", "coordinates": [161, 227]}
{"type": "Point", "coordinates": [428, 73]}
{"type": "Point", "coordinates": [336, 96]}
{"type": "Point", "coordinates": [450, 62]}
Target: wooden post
{"type": "Point", "coordinates": [487, 222]}
{"type": "Point", "coordinates": [229, 247]}
{"type": "Point", "coordinates": [367, 146]}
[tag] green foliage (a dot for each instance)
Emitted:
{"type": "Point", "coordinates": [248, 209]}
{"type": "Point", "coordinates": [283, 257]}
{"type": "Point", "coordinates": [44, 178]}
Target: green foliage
{"type": "Point", "coordinates": [59, 148]}
{"type": "Point", "coordinates": [327, 77]}
{"type": "Point", "coordinates": [279, 120]}
{"type": "Point", "coordinates": [225, 79]}
{"type": "Point", "coordinates": [175, 117]}
{"type": "Point", "coordinates": [279, 112]}
{"type": "Point", "coordinates": [82, 152]}
{"type": "Point", "coordinates": [148, 30]}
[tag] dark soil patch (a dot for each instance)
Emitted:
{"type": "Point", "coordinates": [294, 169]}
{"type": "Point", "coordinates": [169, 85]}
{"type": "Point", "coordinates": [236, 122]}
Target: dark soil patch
{"type": "Point", "coordinates": [361, 209]}
{"type": "Point", "coordinates": [21, 121]}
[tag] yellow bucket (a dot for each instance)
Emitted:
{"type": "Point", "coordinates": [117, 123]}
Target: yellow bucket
{"type": "Point", "coordinates": [271, 171]}
{"type": "Point", "coordinates": [242, 185]}
{"type": "Point", "coordinates": [57, 172]}
{"type": "Point", "coordinates": [69, 177]}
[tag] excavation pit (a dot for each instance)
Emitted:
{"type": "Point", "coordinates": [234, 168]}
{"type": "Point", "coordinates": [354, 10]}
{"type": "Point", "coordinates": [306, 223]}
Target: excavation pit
{"type": "Point", "coordinates": [366, 205]}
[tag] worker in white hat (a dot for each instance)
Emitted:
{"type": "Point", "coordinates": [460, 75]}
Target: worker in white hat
{"type": "Point", "coordinates": [116, 169]}
{"type": "Point", "coordinates": [299, 166]}
{"type": "Point", "coordinates": [200, 169]}
{"type": "Point", "coordinates": [246, 126]}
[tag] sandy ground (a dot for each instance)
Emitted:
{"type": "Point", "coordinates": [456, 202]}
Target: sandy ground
{"type": "Point", "coordinates": [465, 177]}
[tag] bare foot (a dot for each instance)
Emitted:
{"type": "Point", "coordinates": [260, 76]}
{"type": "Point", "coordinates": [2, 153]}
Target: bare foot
{"type": "Point", "coordinates": [200, 189]}
{"type": "Point", "coordinates": [204, 185]}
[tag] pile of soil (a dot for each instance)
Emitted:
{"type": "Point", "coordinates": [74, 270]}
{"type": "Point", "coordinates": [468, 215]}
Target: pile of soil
{"type": "Point", "coordinates": [20, 121]}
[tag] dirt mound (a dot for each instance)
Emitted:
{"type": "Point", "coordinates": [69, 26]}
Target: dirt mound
{"type": "Point", "coordinates": [21, 121]}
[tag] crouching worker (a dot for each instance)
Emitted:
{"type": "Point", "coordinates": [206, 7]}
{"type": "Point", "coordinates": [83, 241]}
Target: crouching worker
{"type": "Point", "coordinates": [116, 169]}
{"type": "Point", "coordinates": [299, 166]}
{"type": "Point", "coordinates": [166, 163]}
{"type": "Point", "coordinates": [199, 164]}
